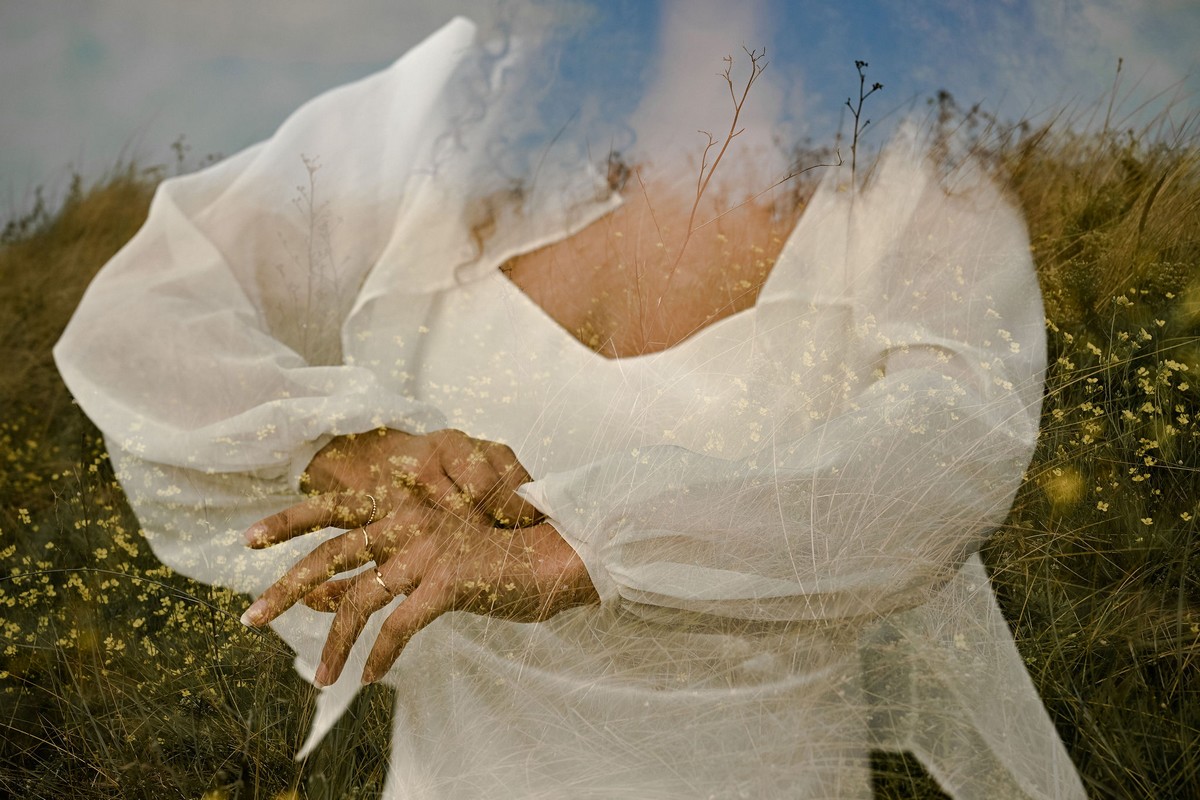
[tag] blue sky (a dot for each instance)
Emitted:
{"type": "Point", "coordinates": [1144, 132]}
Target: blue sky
{"type": "Point", "coordinates": [85, 83]}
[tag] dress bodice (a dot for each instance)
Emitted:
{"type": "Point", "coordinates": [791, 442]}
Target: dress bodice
{"type": "Point", "coordinates": [503, 370]}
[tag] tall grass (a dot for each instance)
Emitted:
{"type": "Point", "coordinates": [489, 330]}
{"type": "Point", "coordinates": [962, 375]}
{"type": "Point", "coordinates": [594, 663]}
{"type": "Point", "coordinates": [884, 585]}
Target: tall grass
{"type": "Point", "coordinates": [119, 678]}
{"type": "Point", "coordinates": [1099, 564]}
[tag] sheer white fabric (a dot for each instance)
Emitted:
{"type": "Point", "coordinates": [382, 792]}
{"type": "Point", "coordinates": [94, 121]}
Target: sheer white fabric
{"type": "Point", "coordinates": [780, 513]}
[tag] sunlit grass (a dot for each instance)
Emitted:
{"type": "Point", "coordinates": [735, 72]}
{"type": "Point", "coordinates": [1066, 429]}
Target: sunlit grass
{"type": "Point", "coordinates": [1098, 564]}
{"type": "Point", "coordinates": [119, 678]}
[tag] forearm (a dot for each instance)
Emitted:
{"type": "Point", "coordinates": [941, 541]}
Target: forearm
{"type": "Point", "coordinates": [865, 515]}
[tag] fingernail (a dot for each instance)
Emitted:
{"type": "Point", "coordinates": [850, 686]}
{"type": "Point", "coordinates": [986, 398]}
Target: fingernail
{"type": "Point", "coordinates": [254, 534]}
{"type": "Point", "coordinates": [321, 679]}
{"type": "Point", "coordinates": [368, 676]}
{"type": "Point", "coordinates": [256, 614]}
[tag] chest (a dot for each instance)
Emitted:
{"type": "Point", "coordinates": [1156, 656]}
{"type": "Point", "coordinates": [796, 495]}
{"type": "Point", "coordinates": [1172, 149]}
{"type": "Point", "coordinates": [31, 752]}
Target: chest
{"type": "Point", "coordinates": [638, 282]}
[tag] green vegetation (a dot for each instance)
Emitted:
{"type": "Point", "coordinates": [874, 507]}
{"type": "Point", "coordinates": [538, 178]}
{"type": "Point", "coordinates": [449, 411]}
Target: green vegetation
{"type": "Point", "coordinates": [1099, 564]}
{"type": "Point", "coordinates": [119, 678]}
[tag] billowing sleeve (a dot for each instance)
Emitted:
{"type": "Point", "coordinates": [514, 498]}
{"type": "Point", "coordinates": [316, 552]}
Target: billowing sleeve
{"type": "Point", "coordinates": [864, 515]}
{"type": "Point", "coordinates": [214, 337]}
{"type": "Point", "coordinates": [897, 386]}
{"type": "Point", "coordinates": [897, 382]}
{"type": "Point", "coordinates": [210, 350]}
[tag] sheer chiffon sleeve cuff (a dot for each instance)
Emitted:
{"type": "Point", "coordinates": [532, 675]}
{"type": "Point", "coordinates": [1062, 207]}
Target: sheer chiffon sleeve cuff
{"type": "Point", "coordinates": [573, 525]}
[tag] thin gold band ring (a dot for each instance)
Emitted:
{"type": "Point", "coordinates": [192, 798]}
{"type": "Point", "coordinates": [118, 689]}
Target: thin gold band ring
{"type": "Point", "coordinates": [379, 580]}
{"type": "Point", "coordinates": [370, 519]}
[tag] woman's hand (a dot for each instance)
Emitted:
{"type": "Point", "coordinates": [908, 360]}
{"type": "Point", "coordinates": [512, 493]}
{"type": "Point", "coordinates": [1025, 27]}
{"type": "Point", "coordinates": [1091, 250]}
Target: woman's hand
{"type": "Point", "coordinates": [446, 468]}
{"type": "Point", "coordinates": [443, 561]}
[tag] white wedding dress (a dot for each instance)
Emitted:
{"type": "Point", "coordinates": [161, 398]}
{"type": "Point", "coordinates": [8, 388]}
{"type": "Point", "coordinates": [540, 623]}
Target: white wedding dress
{"type": "Point", "coordinates": [780, 513]}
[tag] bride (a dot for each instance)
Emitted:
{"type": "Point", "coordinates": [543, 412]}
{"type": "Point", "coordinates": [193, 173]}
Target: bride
{"type": "Point", "coordinates": [627, 491]}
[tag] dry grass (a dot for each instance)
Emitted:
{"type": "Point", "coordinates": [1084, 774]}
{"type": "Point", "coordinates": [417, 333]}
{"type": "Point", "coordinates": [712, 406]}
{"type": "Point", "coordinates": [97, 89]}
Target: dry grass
{"type": "Point", "coordinates": [1098, 563]}
{"type": "Point", "coordinates": [121, 679]}
{"type": "Point", "coordinates": [117, 677]}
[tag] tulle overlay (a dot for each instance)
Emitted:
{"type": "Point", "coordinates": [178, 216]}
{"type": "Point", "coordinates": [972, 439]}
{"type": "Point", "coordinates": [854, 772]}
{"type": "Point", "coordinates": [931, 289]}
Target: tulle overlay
{"type": "Point", "coordinates": [781, 513]}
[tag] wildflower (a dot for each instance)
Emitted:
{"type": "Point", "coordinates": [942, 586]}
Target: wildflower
{"type": "Point", "coordinates": [1063, 487]}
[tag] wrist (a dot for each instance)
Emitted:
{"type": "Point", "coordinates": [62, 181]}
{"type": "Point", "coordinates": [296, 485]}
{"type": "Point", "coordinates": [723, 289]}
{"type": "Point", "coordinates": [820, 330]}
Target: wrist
{"type": "Point", "coordinates": [571, 568]}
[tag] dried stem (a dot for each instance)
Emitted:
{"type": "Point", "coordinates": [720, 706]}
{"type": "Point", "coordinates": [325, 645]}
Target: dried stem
{"type": "Point", "coordinates": [793, 174]}
{"type": "Point", "coordinates": [707, 170]}
{"type": "Point", "coordinates": [856, 110]}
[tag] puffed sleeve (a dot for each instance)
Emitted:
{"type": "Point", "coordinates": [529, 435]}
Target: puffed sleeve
{"type": "Point", "coordinates": [899, 371]}
{"type": "Point", "coordinates": [213, 337]}
{"type": "Point", "coordinates": [898, 391]}
{"type": "Point", "coordinates": [209, 350]}
{"type": "Point", "coordinates": [865, 515]}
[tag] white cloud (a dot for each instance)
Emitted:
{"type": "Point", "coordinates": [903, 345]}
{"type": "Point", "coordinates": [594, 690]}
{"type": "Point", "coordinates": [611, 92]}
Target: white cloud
{"type": "Point", "coordinates": [282, 30]}
{"type": "Point", "coordinates": [1158, 53]}
{"type": "Point", "coordinates": [1155, 40]}
{"type": "Point", "coordinates": [81, 83]}
{"type": "Point", "coordinates": [688, 94]}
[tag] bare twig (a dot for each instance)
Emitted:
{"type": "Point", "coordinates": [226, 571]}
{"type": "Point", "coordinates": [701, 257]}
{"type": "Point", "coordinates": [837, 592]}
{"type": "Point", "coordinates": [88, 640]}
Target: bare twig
{"type": "Point", "coordinates": [794, 174]}
{"type": "Point", "coordinates": [637, 261]}
{"type": "Point", "coordinates": [856, 110]}
{"type": "Point", "coordinates": [707, 170]}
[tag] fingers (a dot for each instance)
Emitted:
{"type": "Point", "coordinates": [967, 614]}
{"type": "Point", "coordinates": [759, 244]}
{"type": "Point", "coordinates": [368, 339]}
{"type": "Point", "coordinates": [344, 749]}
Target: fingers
{"type": "Point", "coordinates": [327, 559]}
{"type": "Point", "coordinates": [327, 596]}
{"type": "Point", "coordinates": [426, 603]}
{"type": "Point", "coordinates": [361, 597]}
{"type": "Point", "coordinates": [341, 510]}
{"type": "Point", "coordinates": [506, 507]}
{"type": "Point", "coordinates": [450, 473]}
{"type": "Point", "coordinates": [419, 466]}
{"type": "Point", "coordinates": [361, 600]}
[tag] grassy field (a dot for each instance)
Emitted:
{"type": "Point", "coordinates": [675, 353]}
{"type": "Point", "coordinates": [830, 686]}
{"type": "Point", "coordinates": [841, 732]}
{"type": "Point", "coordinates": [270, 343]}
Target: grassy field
{"type": "Point", "coordinates": [120, 679]}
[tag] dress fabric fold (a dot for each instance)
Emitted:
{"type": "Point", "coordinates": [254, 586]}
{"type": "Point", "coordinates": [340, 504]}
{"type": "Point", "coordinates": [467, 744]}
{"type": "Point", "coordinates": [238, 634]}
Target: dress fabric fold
{"type": "Point", "coordinates": [781, 513]}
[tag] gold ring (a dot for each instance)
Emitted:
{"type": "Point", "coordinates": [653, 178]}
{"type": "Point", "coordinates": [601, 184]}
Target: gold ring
{"type": "Point", "coordinates": [379, 580]}
{"type": "Point", "coordinates": [374, 508]}
{"type": "Point", "coordinates": [370, 519]}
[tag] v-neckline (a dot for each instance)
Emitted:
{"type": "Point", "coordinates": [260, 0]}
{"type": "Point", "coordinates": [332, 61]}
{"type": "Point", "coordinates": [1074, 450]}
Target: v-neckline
{"type": "Point", "coordinates": [648, 357]}
{"type": "Point", "coordinates": [535, 243]}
